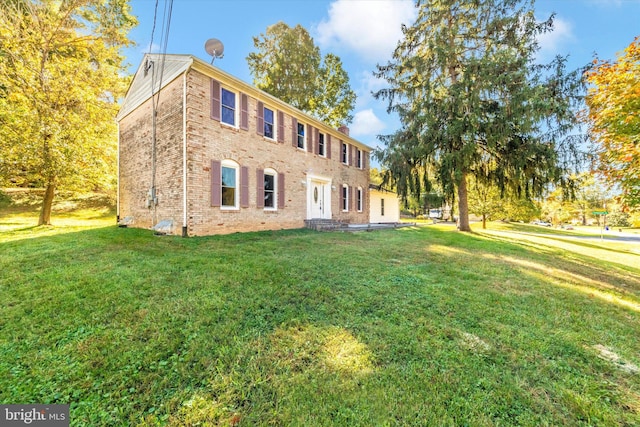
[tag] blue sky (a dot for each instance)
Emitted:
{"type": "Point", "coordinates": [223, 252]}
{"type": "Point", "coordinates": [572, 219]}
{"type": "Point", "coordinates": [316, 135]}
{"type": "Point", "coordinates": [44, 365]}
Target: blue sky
{"type": "Point", "coordinates": [363, 33]}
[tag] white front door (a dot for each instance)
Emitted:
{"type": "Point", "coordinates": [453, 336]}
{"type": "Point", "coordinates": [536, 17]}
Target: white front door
{"type": "Point", "coordinates": [319, 199]}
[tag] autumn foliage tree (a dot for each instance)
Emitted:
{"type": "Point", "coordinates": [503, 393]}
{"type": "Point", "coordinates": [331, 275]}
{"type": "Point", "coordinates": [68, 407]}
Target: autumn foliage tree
{"type": "Point", "coordinates": [614, 116]}
{"type": "Point", "coordinates": [61, 73]}
{"type": "Point", "coordinates": [288, 65]}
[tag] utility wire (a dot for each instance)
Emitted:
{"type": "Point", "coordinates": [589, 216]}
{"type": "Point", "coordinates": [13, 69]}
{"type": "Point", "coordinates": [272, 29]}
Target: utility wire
{"type": "Point", "coordinates": [155, 96]}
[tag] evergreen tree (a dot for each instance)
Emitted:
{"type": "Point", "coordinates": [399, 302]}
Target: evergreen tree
{"type": "Point", "coordinates": [472, 102]}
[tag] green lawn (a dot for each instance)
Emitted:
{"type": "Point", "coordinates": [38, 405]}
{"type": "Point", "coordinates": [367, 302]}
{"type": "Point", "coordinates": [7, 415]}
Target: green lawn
{"type": "Point", "coordinates": [418, 326]}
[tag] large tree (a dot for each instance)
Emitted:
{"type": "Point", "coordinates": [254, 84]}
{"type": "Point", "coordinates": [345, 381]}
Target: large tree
{"type": "Point", "coordinates": [288, 65]}
{"type": "Point", "coordinates": [62, 72]}
{"type": "Point", "coordinates": [614, 113]}
{"type": "Point", "coordinates": [472, 102]}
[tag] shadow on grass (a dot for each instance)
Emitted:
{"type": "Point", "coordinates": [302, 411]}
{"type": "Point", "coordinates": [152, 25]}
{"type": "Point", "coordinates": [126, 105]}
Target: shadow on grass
{"type": "Point", "coordinates": [579, 240]}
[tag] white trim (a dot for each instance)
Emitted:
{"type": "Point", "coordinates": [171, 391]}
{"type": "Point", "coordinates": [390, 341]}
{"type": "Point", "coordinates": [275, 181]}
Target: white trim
{"type": "Point", "coordinates": [272, 172]}
{"type": "Point", "coordinates": [236, 201]}
{"type": "Point", "coordinates": [304, 136]}
{"type": "Point", "coordinates": [275, 122]}
{"type": "Point", "coordinates": [359, 199]}
{"type": "Point", "coordinates": [326, 185]}
{"type": "Point", "coordinates": [184, 150]}
{"type": "Point", "coordinates": [236, 118]}
{"type": "Point", "coordinates": [344, 155]}
{"type": "Point", "coordinates": [324, 143]}
{"type": "Point", "coordinates": [118, 177]}
{"type": "Point", "coordinates": [344, 199]}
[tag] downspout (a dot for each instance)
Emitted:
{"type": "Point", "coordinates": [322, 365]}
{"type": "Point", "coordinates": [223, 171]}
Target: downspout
{"type": "Point", "coordinates": [118, 177]}
{"type": "Point", "coordinates": [184, 153]}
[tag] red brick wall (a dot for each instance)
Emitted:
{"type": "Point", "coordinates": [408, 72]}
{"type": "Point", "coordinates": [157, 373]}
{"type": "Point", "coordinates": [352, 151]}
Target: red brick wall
{"type": "Point", "coordinates": [211, 140]}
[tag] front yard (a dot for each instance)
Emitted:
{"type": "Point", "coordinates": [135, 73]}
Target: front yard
{"type": "Point", "coordinates": [415, 326]}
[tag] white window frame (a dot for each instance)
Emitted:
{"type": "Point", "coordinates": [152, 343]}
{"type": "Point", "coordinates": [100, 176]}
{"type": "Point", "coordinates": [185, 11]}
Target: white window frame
{"type": "Point", "coordinates": [230, 164]}
{"type": "Point", "coordinates": [235, 107]}
{"type": "Point", "coordinates": [274, 125]}
{"type": "Point", "coordinates": [359, 199]}
{"type": "Point", "coordinates": [344, 153]}
{"type": "Point", "coordinates": [359, 158]}
{"type": "Point", "coordinates": [274, 174]}
{"type": "Point", "coordinates": [304, 137]}
{"type": "Point", "coordinates": [323, 137]}
{"type": "Point", "coordinates": [345, 198]}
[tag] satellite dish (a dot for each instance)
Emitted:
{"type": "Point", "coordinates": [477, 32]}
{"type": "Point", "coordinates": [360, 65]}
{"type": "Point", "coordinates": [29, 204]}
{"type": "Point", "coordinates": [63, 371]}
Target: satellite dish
{"type": "Point", "coordinates": [215, 48]}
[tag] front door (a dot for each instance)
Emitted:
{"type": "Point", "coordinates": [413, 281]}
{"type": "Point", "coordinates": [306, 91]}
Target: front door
{"type": "Point", "coordinates": [318, 205]}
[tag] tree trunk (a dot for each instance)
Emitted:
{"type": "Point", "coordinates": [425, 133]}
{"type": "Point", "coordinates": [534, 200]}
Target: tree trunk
{"type": "Point", "coordinates": [45, 212]}
{"type": "Point", "coordinates": [463, 205]}
{"type": "Point", "coordinates": [484, 221]}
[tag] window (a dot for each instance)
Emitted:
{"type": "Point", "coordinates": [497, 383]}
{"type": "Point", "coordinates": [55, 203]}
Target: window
{"type": "Point", "coordinates": [269, 122]}
{"type": "Point", "coordinates": [229, 185]}
{"type": "Point", "coordinates": [345, 153]}
{"type": "Point", "coordinates": [381, 207]}
{"type": "Point", "coordinates": [321, 149]}
{"type": "Point", "coordinates": [359, 158]}
{"type": "Point", "coordinates": [269, 189]}
{"type": "Point", "coordinates": [301, 135]}
{"type": "Point", "coordinates": [345, 198]}
{"type": "Point", "coordinates": [359, 199]}
{"type": "Point", "coordinates": [228, 107]}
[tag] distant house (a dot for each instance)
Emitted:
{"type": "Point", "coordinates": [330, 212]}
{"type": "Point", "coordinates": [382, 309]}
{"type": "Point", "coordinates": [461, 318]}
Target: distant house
{"type": "Point", "coordinates": [221, 156]}
{"type": "Point", "coordinates": [384, 205]}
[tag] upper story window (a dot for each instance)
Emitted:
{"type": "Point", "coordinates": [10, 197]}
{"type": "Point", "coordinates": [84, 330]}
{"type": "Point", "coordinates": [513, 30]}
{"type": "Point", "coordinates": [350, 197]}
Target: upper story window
{"type": "Point", "coordinates": [344, 154]}
{"type": "Point", "coordinates": [321, 146]}
{"type": "Point", "coordinates": [270, 190]}
{"type": "Point", "coordinates": [228, 101]}
{"type": "Point", "coordinates": [269, 123]}
{"type": "Point", "coordinates": [229, 184]}
{"type": "Point", "coordinates": [359, 158]}
{"type": "Point", "coordinates": [301, 135]}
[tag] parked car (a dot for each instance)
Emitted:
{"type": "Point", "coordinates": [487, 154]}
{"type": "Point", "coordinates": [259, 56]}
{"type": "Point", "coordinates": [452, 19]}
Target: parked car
{"type": "Point", "coordinates": [543, 223]}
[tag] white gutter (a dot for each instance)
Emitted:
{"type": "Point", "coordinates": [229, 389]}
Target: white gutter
{"type": "Point", "coordinates": [118, 177]}
{"type": "Point", "coordinates": [184, 153]}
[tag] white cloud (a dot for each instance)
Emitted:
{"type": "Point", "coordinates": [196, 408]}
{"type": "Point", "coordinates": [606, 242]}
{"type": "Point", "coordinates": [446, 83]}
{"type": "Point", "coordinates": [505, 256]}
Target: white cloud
{"type": "Point", "coordinates": [366, 123]}
{"type": "Point", "coordinates": [552, 42]}
{"type": "Point", "coordinates": [369, 27]}
{"type": "Point", "coordinates": [150, 48]}
{"type": "Point", "coordinates": [367, 84]}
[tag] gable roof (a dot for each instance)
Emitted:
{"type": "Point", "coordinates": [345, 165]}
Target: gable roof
{"type": "Point", "coordinates": [149, 71]}
{"type": "Point", "coordinates": [176, 64]}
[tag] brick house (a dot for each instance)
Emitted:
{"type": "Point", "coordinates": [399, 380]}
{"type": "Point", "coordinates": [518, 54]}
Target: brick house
{"type": "Point", "coordinates": [227, 157]}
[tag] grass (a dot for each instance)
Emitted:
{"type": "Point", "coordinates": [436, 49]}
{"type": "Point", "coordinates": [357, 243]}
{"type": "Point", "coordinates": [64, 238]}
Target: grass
{"type": "Point", "coordinates": [416, 326]}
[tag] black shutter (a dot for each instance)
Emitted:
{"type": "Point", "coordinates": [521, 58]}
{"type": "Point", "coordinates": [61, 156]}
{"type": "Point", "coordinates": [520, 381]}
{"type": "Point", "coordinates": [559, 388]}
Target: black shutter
{"type": "Point", "coordinates": [215, 100]}
{"type": "Point", "coordinates": [280, 127]}
{"type": "Point", "coordinates": [244, 111]}
{"type": "Point", "coordinates": [280, 191]}
{"type": "Point", "coordinates": [310, 138]}
{"type": "Point", "coordinates": [244, 187]}
{"type": "Point", "coordinates": [260, 188]}
{"type": "Point", "coordinates": [260, 119]}
{"type": "Point", "coordinates": [294, 131]}
{"type": "Point", "coordinates": [216, 185]}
